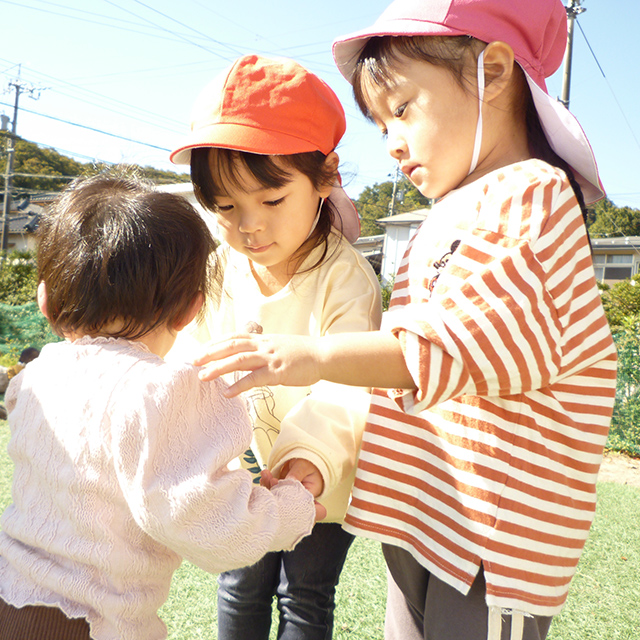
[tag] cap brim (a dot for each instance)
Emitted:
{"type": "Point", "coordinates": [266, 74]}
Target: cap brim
{"type": "Point", "coordinates": [346, 50]}
{"type": "Point", "coordinates": [240, 137]}
{"type": "Point", "coordinates": [568, 140]}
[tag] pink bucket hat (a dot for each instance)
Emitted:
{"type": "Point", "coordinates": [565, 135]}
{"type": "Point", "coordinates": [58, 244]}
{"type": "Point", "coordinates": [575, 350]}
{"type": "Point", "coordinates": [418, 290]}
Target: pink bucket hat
{"type": "Point", "coordinates": [536, 30]}
{"type": "Point", "coordinates": [271, 107]}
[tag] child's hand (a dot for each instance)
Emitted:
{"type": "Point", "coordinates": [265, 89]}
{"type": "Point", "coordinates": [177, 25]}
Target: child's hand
{"type": "Point", "coordinates": [305, 472]}
{"type": "Point", "coordinates": [267, 479]}
{"type": "Point", "coordinates": [321, 512]}
{"type": "Point", "coordinates": [269, 359]}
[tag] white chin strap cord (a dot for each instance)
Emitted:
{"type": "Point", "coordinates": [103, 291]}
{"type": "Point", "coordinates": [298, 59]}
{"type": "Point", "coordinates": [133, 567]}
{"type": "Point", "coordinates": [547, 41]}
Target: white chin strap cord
{"type": "Point", "coordinates": [478, 141]}
{"type": "Point", "coordinates": [315, 222]}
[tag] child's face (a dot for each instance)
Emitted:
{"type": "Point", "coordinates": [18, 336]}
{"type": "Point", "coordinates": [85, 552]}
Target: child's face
{"type": "Point", "coordinates": [429, 121]}
{"type": "Point", "coordinates": [269, 225]}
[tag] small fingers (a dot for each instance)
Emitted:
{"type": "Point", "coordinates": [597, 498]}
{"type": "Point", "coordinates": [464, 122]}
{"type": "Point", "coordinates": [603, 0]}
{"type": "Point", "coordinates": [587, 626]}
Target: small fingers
{"type": "Point", "coordinates": [236, 344]}
{"type": "Point", "coordinates": [321, 512]}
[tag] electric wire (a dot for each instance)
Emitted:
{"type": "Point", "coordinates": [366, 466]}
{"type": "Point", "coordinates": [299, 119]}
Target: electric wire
{"type": "Point", "coordinates": [83, 126]}
{"type": "Point", "coordinates": [615, 97]}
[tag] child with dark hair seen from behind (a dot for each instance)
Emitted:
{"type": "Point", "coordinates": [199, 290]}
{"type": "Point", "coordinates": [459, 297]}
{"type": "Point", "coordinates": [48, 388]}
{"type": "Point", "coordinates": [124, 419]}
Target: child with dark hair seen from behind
{"type": "Point", "coordinates": [120, 457]}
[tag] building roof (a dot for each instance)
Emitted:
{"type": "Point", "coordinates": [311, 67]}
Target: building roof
{"type": "Point", "coordinates": [405, 219]}
{"type": "Point", "coordinates": [623, 242]}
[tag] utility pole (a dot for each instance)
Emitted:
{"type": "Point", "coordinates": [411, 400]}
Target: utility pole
{"type": "Point", "coordinates": [573, 10]}
{"type": "Point", "coordinates": [392, 204]}
{"type": "Point", "coordinates": [19, 87]}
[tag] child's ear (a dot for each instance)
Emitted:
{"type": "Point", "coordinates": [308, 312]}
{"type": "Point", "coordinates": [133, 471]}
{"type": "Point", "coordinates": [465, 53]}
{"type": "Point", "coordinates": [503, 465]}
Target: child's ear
{"type": "Point", "coordinates": [41, 296]}
{"type": "Point", "coordinates": [498, 69]}
{"type": "Point", "coordinates": [192, 312]}
{"type": "Point", "coordinates": [331, 163]}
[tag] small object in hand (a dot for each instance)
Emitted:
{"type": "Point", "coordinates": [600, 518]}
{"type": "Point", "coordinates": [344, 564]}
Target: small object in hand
{"type": "Point", "coordinates": [253, 327]}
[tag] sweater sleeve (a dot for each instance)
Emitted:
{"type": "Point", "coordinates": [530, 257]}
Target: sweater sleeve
{"type": "Point", "coordinates": [171, 444]}
{"type": "Point", "coordinates": [326, 426]}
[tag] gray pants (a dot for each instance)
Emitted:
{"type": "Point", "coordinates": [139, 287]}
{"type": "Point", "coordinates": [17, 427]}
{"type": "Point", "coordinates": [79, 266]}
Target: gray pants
{"type": "Point", "coordinates": [422, 607]}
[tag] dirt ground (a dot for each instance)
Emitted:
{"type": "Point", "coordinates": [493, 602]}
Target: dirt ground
{"type": "Point", "coordinates": [619, 468]}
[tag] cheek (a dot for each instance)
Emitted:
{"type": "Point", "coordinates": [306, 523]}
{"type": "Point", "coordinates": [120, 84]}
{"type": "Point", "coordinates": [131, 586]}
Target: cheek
{"type": "Point", "coordinates": [224, 224]}
{"type": "Point", "coordinates": [226, 229]}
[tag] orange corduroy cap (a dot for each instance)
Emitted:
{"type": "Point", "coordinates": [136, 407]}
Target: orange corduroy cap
{"type": "Point", "coordinates": [271, 107]}
{"type": "Point", "coordinates": [264, 106]}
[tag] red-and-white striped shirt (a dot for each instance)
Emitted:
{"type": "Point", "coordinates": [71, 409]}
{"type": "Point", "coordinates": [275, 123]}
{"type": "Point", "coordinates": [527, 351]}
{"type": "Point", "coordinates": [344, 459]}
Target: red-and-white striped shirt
{"type": "Point", "coordinates": [494, 458]}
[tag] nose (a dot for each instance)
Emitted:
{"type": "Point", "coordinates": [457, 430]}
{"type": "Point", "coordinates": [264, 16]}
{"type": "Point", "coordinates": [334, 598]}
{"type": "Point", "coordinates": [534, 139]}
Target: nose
{"type": "Point", "coordinates": [250, 221]}
{"type": "Point", "coordinates": [396, 144]}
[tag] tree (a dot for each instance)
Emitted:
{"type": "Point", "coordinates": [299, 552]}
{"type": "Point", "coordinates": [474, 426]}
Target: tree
{"type": "Point", "coordinates": [613, 222]}
{"type": "Point", "coordinates": [374, 203]}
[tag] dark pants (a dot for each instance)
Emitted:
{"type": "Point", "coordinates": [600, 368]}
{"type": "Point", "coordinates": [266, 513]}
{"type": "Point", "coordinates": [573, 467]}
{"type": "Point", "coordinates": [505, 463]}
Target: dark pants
{"type": "Point", "coordinates": [40, 623]}
{"type": "Point", "coordinates": [303, 580]}
{"type": "Point", "coordinates": [422, 607]}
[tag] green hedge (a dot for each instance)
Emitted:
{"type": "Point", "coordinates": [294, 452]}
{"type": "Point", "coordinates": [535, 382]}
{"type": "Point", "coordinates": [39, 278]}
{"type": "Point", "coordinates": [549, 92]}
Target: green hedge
{"type": "Point", "coordinates": [625, 425]}
{"type": "Point", "coordinates": [23, 326]}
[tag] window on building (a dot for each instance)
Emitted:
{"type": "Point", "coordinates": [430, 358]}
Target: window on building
{"type": "Point", "coordinates": [613, 266]}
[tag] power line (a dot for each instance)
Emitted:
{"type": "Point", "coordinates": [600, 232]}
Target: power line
{"type": "Point", "coordinates": [83, 126]}
{"type": "Point", "coordinates": [178, 35]}
{"type": "Point", "coordinates": [609, 85]}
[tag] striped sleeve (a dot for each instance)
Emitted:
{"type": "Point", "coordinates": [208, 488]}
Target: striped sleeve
{"type": "Point", "coordinates": [497, 321]}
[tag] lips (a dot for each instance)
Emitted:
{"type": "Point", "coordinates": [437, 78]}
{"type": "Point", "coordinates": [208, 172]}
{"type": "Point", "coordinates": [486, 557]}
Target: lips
{"type": "Point", "coordinates": [258, 248]}
{"type": "Point", "coordinates": [408, 169]}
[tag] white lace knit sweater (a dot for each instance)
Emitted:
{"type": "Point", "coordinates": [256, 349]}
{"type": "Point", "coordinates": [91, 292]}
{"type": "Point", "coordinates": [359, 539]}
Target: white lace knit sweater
{"type": "Point", "coordinates": [120, 472]}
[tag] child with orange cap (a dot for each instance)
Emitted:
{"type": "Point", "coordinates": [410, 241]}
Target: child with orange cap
{"type": "Point", "coordinates": [263, 160]}
{"type": "Point", "coordinates": [495, 370]}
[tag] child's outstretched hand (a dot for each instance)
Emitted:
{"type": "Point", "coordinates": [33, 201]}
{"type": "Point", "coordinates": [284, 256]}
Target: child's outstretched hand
{"type": "Point", "coordinates": [269, 359]}
{"type": "Point", "coordinates": [300, 361]}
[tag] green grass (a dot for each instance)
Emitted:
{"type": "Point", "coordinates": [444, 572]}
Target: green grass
{"type": "Point", "coordinates": [602, 604]}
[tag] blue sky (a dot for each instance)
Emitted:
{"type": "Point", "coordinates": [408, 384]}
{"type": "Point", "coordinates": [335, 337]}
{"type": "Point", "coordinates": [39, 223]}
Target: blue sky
{"type": "Point", "coordinates": [132, 69]}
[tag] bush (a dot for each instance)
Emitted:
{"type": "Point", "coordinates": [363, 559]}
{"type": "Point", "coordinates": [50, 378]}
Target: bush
{"type": "Point", "coordinates": [18, 278]}
{"type": "Point", "coordinates": [624, 435]}
{"type": "Point", "coordinates": [386, 291]}
{"type": "Point", "coordinates": [23, 326]}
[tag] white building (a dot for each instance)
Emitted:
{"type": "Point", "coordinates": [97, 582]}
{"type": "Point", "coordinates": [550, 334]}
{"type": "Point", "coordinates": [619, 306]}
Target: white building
{"type": "Point", "coordinates": [616, 259]}
{"type": "Point", "coordinates": [398, 231]}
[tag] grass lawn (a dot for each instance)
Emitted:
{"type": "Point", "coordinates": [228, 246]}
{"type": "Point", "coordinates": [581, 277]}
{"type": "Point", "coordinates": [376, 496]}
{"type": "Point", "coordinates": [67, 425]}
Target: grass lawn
{"type": "Point", "coordinates": [603, 602]}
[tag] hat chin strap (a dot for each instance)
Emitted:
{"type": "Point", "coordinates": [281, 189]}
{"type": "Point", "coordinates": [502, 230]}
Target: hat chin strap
{"type": "Point", "coordinates": [478, 141]}
{"type": "Point", "coordinates": [315, 222]}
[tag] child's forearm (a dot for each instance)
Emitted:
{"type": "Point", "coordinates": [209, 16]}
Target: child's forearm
{"type": "Point", "coordinates": [366, 359]}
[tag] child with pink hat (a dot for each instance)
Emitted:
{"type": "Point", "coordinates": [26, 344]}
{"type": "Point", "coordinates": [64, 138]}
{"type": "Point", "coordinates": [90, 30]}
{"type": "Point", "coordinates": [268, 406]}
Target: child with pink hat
{"type": "Point", "coordinates": [263, 160]}
{"type": "Point", "coordinates": [495, 370]}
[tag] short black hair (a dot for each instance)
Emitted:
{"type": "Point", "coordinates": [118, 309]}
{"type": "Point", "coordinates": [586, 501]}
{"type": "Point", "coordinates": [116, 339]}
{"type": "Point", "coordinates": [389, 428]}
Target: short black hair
{"type": "Point", "coordinates": [113, 247]}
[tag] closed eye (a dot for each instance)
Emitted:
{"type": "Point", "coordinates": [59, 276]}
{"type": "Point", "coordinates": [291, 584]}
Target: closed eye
{"type": "Point", "coordinates": [399, 112]}
{"type": "Point", "coordinates": [223, 208]}
{"type": "Point", "coordinates": [274, 203]}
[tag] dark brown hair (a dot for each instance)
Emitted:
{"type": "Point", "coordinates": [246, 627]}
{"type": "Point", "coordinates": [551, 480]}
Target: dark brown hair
{"type": "Point", "coordinates": [112, 248]}
{"type": "Point", "coordinates": [381, 55]}
{"type": "Point", "coordinates": [212, 168]}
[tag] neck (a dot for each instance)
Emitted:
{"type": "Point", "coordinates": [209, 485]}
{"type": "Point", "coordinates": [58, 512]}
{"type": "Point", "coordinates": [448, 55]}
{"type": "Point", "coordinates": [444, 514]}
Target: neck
{"type": "Point", "coordinates": [158, 341]}
{"type": "Point", "coordinates": [270, 280]}
{"type": "Point", "coordinates": [507, 144]}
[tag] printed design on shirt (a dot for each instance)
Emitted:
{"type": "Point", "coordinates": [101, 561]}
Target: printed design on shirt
{"type": "Point", "coordinates": [251, 464]}
{"type": "Point", "coordinates": [439, 265]}
{"type": "Point", "coordinates": [262, 404]}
